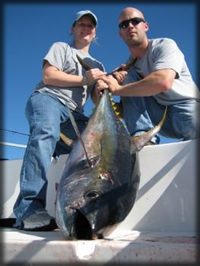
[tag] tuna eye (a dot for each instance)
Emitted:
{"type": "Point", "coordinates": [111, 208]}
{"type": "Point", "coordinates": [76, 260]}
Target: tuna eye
{"type": "Point", "coordinates": [91, 194]}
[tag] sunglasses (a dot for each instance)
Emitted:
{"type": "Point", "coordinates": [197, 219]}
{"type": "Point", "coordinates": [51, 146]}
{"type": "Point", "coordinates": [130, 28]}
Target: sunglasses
{"type": "Point", "coordinates": [134, 21]}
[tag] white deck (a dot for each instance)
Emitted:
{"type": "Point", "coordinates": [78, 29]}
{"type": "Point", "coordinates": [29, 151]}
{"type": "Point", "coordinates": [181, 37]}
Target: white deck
{"type": "Point", "coordinates": [160, 228]}
{"type": "Point", "coordinates": [51, 247]}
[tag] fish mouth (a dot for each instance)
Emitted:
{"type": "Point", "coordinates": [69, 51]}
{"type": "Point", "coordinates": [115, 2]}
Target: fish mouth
{"type": "Point", "coordinates": [83, 229]}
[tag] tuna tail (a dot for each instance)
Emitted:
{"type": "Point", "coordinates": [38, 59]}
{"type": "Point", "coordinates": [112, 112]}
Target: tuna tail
{"type": "Point", "coordinates": [138, 142]}
{"type": "Point", "coordinates": [86, 66]}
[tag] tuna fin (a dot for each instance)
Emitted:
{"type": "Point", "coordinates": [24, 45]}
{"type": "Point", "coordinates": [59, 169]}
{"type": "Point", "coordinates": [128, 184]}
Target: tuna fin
{"type": "Point", "coordinates": [113, 103]}
{"type": "Point", "coordinates": [78, 134]}
{"type": "Point", "coordinates": [138, 142]}
{"type": "Point", "coordinates": [69, 142]}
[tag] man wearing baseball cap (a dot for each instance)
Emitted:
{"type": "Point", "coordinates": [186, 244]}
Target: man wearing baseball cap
{"type": "Point", "coordinates": [64, 82]}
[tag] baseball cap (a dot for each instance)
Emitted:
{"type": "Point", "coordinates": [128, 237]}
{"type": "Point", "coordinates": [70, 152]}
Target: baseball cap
{"type": "Point", "coordinates": [82, 13]}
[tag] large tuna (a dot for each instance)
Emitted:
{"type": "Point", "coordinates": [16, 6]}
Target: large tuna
{"type": "Point", "coordinates": [100, 178]}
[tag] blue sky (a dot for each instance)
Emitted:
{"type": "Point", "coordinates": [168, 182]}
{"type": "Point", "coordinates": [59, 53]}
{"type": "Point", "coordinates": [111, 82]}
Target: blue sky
{"type": "Point", "coordinates": [30, 29]}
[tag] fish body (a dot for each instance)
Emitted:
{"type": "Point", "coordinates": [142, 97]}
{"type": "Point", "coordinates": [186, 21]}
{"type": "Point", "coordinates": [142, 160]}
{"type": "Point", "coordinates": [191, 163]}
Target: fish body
{"type": "Point", "coordinates": [97, 191]}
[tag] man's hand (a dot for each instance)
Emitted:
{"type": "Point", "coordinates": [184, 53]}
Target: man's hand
{"type": "Point", "coordinates": [120, 75]}
{"type": "Point", "coordinates": [100, 86]}
{"type": "Point", "coordinates": [108, 82]}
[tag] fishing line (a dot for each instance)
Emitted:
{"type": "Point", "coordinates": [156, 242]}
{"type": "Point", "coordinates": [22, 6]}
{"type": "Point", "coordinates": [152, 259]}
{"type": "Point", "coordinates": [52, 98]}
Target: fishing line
{"type": "Point", "coordinates": [15, 132]}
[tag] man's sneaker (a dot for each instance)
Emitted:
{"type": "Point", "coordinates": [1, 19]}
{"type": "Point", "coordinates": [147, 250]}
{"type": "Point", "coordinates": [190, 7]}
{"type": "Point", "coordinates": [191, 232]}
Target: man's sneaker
{"type": "Point", "coordinates": [39, 221]}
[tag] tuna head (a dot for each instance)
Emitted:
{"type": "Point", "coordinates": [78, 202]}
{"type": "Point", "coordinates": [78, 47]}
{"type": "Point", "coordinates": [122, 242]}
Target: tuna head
{"type": "Point", "coordinates": [90, 205]}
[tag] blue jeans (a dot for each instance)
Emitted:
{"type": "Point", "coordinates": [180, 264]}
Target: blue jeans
{"type": "Point", "coordinates": [47, 117]}
{"type": "Point", "coordinates": [143, 113]}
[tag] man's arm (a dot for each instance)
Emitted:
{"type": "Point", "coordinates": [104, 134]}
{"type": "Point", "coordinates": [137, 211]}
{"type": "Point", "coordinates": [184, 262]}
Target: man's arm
{"type": "Point", "coordinates": [156, 82]}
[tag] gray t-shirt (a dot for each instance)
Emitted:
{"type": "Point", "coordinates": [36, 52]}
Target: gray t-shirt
{"type": "Point", "coordinates": [63, 56]}
{"type": "Point", "coordinates": [164, 53]}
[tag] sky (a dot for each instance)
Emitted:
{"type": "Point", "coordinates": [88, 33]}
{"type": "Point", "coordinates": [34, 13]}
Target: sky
{"type": "Point", "coordinates": [30, 29]}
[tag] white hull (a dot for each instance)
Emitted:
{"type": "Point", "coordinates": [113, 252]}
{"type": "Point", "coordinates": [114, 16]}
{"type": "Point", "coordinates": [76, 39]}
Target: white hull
{"type": "Point", "coordinates": [161, 227]}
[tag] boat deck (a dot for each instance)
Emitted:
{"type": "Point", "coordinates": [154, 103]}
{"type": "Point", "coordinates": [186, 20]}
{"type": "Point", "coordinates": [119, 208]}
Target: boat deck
{"type": "Point", "coordinates": [133, 246]}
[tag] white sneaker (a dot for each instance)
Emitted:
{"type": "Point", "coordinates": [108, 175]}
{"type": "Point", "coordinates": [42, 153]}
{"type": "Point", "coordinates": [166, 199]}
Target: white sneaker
{"type": "Point", "coordinates": [39, 221]}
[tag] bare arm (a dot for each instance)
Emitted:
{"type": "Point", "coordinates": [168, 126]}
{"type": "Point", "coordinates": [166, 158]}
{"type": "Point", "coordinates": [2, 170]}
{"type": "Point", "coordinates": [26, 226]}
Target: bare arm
{"type": "Point", "coordinates": [158, 81]}
{"type": "Point", "coordinates": [54, 77]}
